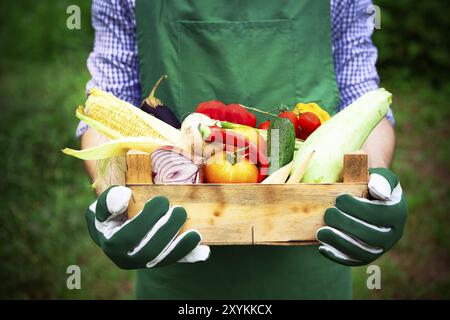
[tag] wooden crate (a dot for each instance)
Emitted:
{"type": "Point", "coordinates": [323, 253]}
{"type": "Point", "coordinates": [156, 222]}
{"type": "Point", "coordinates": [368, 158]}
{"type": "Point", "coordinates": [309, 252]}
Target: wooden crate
{"type": "Point", "coordinates": [249, 214]}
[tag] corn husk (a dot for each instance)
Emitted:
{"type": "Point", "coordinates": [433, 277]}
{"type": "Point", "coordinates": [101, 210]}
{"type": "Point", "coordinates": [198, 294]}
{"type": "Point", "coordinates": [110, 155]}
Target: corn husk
{"type": "Point", "coordinates": [117, 147]}
{"type": "Point", "coordinates": [110, 171]}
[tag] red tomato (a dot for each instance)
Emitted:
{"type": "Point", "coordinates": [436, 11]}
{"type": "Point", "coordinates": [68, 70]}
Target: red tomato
{"type": "Point", "coordinates": [264, 125]}
{"type": "Point", "coordinates": [293, 118]}
{"type": "Point", "coordinates": [308, 123]}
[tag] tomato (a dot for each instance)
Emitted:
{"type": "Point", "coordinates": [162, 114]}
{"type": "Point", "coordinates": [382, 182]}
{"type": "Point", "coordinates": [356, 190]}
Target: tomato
{"type": "Point", "coordinates": [308, 123]}
{"type": "Point", "coordinates": [264, 125]}
{"type": "Point", "coordinates": [291, 116]}
{"type": "Point", "coordinates": [220, 169]}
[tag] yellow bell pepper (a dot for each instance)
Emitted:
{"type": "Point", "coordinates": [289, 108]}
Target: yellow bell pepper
{"type": "Point", "coordinates": [314, 108]}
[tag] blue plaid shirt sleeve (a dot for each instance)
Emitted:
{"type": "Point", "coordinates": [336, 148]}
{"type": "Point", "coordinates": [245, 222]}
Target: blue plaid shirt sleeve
{"type": "Point", "coordinates": [114, 65]}
{"type": "Point", "coordinates": [353, 51]}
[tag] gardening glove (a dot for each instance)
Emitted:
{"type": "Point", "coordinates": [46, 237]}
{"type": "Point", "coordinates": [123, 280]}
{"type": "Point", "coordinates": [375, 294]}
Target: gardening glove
{"type": "Point", "coordinates": [359, 230]}
{"type": "Point", "coordinates": [147, 240]}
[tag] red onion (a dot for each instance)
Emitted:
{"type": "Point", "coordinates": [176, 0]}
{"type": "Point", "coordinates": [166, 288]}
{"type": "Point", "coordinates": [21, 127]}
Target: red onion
{"type": "Point", "coordinates": [172, 165]}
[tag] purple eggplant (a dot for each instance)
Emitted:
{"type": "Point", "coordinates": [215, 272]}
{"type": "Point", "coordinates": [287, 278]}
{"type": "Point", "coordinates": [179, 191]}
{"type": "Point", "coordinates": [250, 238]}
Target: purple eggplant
{"type": "Point", "coordinates": [155, 107]}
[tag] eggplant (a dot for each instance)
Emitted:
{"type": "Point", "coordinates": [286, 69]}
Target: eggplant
{"type": "Point", "coordinates": [155, 107]}
{"type": "Point", "coordinates": [171, 165]}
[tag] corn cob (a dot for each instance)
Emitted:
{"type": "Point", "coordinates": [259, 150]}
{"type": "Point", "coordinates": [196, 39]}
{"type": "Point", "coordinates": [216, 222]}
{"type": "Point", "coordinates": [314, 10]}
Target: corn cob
{"type": "Point", "coordinates": [116, 118]}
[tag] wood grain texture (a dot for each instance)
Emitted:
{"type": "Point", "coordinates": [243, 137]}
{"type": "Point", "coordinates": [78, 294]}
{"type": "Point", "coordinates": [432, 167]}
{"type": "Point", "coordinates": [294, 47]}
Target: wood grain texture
{"type": "Point", "coordinates": [250, 214]}
{"type": "Point", "coordinates": [245, 214]}
{"type": "Point", "coordinates": [356, 167]}
{"type": "Point", "coordinates": [139, 168]}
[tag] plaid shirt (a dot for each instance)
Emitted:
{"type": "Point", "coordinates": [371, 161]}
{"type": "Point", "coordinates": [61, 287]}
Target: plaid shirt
{"type": "Point", "coordinates": [114, 65]}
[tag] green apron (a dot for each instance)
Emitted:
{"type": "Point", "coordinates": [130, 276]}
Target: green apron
{"type": "Point", "coordinates": [259, 53]}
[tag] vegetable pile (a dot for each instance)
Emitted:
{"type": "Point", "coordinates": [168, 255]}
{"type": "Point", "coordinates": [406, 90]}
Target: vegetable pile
{"type": "Point", "coordinates": [221, 143]}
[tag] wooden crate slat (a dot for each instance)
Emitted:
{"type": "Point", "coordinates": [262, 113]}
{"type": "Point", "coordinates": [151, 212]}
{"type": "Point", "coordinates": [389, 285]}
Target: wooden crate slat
{"type": "Point", "coordinates": [139, 168]}
{"type": "Point", "coordinates": [248, 214]}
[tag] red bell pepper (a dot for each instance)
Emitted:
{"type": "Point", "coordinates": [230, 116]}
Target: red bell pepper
{"type": "Point", "coordinates": [235, 113]}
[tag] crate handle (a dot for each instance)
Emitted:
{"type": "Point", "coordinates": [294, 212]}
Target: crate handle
{"type": "Point", "coordinates": [356, 167]}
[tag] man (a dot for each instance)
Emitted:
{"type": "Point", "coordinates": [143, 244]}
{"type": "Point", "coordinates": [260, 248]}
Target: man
{"type": "Point", "coordinates": [259, 53]}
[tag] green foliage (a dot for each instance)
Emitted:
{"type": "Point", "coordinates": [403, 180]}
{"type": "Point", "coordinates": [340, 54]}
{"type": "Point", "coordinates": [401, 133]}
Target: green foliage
{"type": "Point", "coordinates": [36, 30]}
{"type": "Point", "coordinates": [413, 39]}
{"type": "Point", "coordinates": [418, 266]}
{"type": "Point", "coordinates": [44, 193]}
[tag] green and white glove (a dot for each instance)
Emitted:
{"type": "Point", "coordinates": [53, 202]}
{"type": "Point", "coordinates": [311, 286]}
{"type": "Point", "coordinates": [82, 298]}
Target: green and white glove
{"type": "Point", "coordinates": [150, 239]}
{"type": "Point", "coordinates": [358, 230]}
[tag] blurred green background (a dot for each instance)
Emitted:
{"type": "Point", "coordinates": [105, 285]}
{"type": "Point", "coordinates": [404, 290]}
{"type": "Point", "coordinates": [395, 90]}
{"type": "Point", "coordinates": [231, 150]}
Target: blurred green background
{"type": "Point", "coordinates": [43, 193]}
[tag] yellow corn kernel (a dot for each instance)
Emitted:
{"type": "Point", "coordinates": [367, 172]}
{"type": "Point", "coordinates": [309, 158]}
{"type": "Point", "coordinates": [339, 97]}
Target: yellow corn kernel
{"type": "Point", "coordinates": [121, 120]}
{"type": "Point", "coordinates": [116, 118]}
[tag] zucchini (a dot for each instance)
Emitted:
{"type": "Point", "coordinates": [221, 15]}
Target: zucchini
{"type": "Point", "coordinates": [345, 132]}
{"type": "Point", "coordinates": [280, 143]}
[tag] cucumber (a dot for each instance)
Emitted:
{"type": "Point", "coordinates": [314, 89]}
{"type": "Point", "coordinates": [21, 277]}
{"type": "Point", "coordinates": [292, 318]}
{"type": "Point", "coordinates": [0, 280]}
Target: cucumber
{"type": "Point", "coordinates": [280, 143]}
